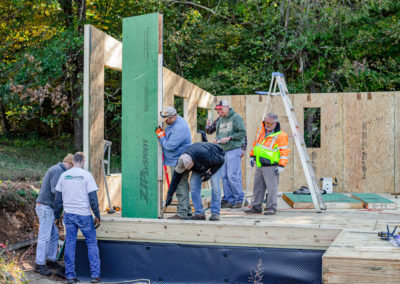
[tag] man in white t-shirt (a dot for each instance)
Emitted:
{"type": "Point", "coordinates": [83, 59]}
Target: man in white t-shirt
{"type": "Point", "coordinates": [76, 191]}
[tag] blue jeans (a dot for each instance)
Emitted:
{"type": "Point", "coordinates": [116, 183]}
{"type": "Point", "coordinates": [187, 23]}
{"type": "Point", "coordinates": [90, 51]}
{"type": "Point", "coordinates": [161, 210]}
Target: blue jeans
{"type": "Point", "coordinates": [232, 176]}
{"type": "Point", "coordinates": [195, 186]}
{"type": "Point", "coordinates": [48, 235]}
{"type": "Point", "coordinates": [85, 224]}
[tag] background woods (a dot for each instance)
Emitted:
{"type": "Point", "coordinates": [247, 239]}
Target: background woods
{"type": "Point", "coordinates": [224, 47]}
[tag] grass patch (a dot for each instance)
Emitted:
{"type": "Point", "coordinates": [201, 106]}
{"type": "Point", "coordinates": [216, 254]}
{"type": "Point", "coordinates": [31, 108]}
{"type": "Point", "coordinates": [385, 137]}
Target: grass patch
{"type": "Point", "coordinates": [28, 160]}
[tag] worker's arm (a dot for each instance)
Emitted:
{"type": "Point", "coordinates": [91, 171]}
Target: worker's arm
{"type": "Point", "coordinates": [283, 146]}
{"type": "Point", "coordinates": [212, 128]}
{"type": "Point", "coordinates": [174, 140]}
{"type": "Point", "coordinates": [54, 180]}
{"type": "Point", "coordinates": [94, 203]}
{"type": "Point", "coordinates": [239, 129]}
{"type": "Point", "coordinates": [58, 205]}
{"type": "Point", "coordinates": [176, 178]}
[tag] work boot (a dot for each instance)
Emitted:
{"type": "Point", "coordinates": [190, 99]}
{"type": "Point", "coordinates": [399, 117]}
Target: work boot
{"type": "Point", "coordinates": [214, 217]}
{"type": "Point", "coordinates": [198, 217]}
{"type": "Point", "coordinates": [54, 264]}
{"type": "Point", "coordinates": [239, 204]}
{"type": "Point", "coordinates": [269, 212]}
{"type": "Point", "coordinates": [61, 273]}
{"type": "Point", "coordinates": [73, 280]}
{"type": "Point", "coordinates": [252, 210]}
{"type": "Point", "coordinates": [95, 280]}
{"type": "Point", "coordinates": [177, 217]}
{"type": "Point", "coordinates": [227, 205]}
{"type": "Point", "coordinates": [223, 201]}
{"type": "Point", "coordinates": [42, 269]}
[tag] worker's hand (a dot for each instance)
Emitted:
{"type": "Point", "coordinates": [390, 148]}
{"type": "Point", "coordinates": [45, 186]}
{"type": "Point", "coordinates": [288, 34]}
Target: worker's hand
{"type": "Point", "coordinates": [168, 201]}
{"type": "Point", "coordinates": [159, 132]}
{"type": "Point", "coordinates": [224, 140]}
{"type": "Point", "coordinates": [206, 176]}
{"type": "Point", "coordinates": [59, 223]}
{"type": "Point", "coordinates": [242, 154]}
{"type": "Point", "coordinates": [279, 170]}
{"type": "Point", "coordinates": [209, 121]}
{"type": "Point", "coordinates": [96, 223]}
{"type": "Point", "coordinates": [252, 161]}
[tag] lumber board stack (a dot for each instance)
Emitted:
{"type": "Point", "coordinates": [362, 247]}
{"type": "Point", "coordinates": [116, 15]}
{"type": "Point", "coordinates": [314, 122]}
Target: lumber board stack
{"type": "Point", "coordinates": [361, 257]}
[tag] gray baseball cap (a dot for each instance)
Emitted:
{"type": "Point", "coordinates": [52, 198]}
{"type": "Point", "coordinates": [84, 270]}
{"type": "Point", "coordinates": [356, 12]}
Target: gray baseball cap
{"type": "Point", "coordinates": [185, 162]}
{"type": "Point", "coordinates": [168, 111]}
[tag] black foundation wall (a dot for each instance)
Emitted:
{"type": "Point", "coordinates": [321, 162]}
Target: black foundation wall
{"type": "Point", "coordinates": [175, 263]}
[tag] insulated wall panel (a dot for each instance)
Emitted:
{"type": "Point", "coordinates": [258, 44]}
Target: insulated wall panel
{"type": "Point", "coordinates": [140, 96]}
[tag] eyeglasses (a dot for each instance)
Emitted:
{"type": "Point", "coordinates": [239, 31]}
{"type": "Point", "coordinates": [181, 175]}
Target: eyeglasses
{"type": "Point", "coordinates": [269, 123]}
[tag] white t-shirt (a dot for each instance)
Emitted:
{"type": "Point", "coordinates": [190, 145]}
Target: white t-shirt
{"type": "Point", "coordinates": [75, 184]}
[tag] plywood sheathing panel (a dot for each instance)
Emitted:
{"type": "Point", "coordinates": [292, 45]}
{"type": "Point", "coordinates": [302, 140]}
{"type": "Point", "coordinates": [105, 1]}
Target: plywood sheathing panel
{"type": "Point", "coordinates": [96, 108]}
{"type": "Point", "coordinates": [368, 142]}
{"type": "Point", "coordinates": [114, 189]}
{"type": "Point", "coordinates": [328, 159]}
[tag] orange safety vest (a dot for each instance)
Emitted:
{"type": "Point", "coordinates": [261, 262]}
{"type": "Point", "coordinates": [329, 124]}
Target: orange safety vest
{"type": "Point", "coordinates": [279, 143]}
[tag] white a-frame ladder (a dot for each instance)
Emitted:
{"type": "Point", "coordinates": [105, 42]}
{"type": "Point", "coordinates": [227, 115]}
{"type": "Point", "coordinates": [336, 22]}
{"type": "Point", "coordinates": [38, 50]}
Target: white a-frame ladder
{"type": "Point", "coordinates": [278, 81]}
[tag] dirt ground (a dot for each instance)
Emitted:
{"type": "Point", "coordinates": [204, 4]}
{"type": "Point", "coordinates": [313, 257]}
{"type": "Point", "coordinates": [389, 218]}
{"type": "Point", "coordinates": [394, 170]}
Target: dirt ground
{"type": "Point", "coordinates": [18, 220]}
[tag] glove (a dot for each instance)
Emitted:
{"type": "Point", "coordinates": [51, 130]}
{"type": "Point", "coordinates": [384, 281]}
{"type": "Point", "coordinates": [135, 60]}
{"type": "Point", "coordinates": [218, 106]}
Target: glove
{"type": "Point", "coordinates": [159, 132]}
{"type": "Point", "coordinates": [59, 223]}
{"type": "Point", "coordinates": [279, 170]}
{"type": "Point", "coordinates": [206, 176]}
{"type": "Point", "coordinates": [252, 161]}
{"type": "Point", "coordinates": [96, 223]}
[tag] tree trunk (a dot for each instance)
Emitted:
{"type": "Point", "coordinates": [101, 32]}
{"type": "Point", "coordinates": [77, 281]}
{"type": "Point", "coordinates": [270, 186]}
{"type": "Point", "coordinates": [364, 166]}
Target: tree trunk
{"type": "Point", "coordinates": [78, 86]}
{"type": "Point", "coordinates": [5, 126]}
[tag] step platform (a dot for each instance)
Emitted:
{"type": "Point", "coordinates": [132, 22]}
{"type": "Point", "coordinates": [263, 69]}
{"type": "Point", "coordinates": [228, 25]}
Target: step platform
{"type": "Point", "coordinates": [374, 201]}
{"type": "Point", "coordinates": [361, 257]}
{"type": "Point", "coordinates": [332, 201]}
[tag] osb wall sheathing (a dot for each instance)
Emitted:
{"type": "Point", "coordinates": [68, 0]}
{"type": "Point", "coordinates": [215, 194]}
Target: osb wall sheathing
{"type": "Point", "coordinates": [360, 141]}
{"type": "Point", "coordinates": [328, 159]}
{"type": "Point", "coordinates": [368, 124]}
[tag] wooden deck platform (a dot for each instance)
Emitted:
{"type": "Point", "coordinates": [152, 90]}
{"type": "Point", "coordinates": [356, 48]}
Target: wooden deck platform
{"type": "Point", "coordinates": [348, 235]}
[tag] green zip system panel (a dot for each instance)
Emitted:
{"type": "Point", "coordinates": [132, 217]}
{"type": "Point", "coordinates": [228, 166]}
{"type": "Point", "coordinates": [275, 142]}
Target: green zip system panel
{"type": "Point", "coordinates": [140, 96]}
{"type": "Point", "coordinates": [374, 201]}
{"type": "Point", "coordinates": [331, 200]}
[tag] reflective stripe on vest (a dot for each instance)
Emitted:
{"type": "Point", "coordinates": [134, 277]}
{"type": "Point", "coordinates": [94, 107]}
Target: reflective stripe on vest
{"type": "Point", "coordinates": [271, 153]}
